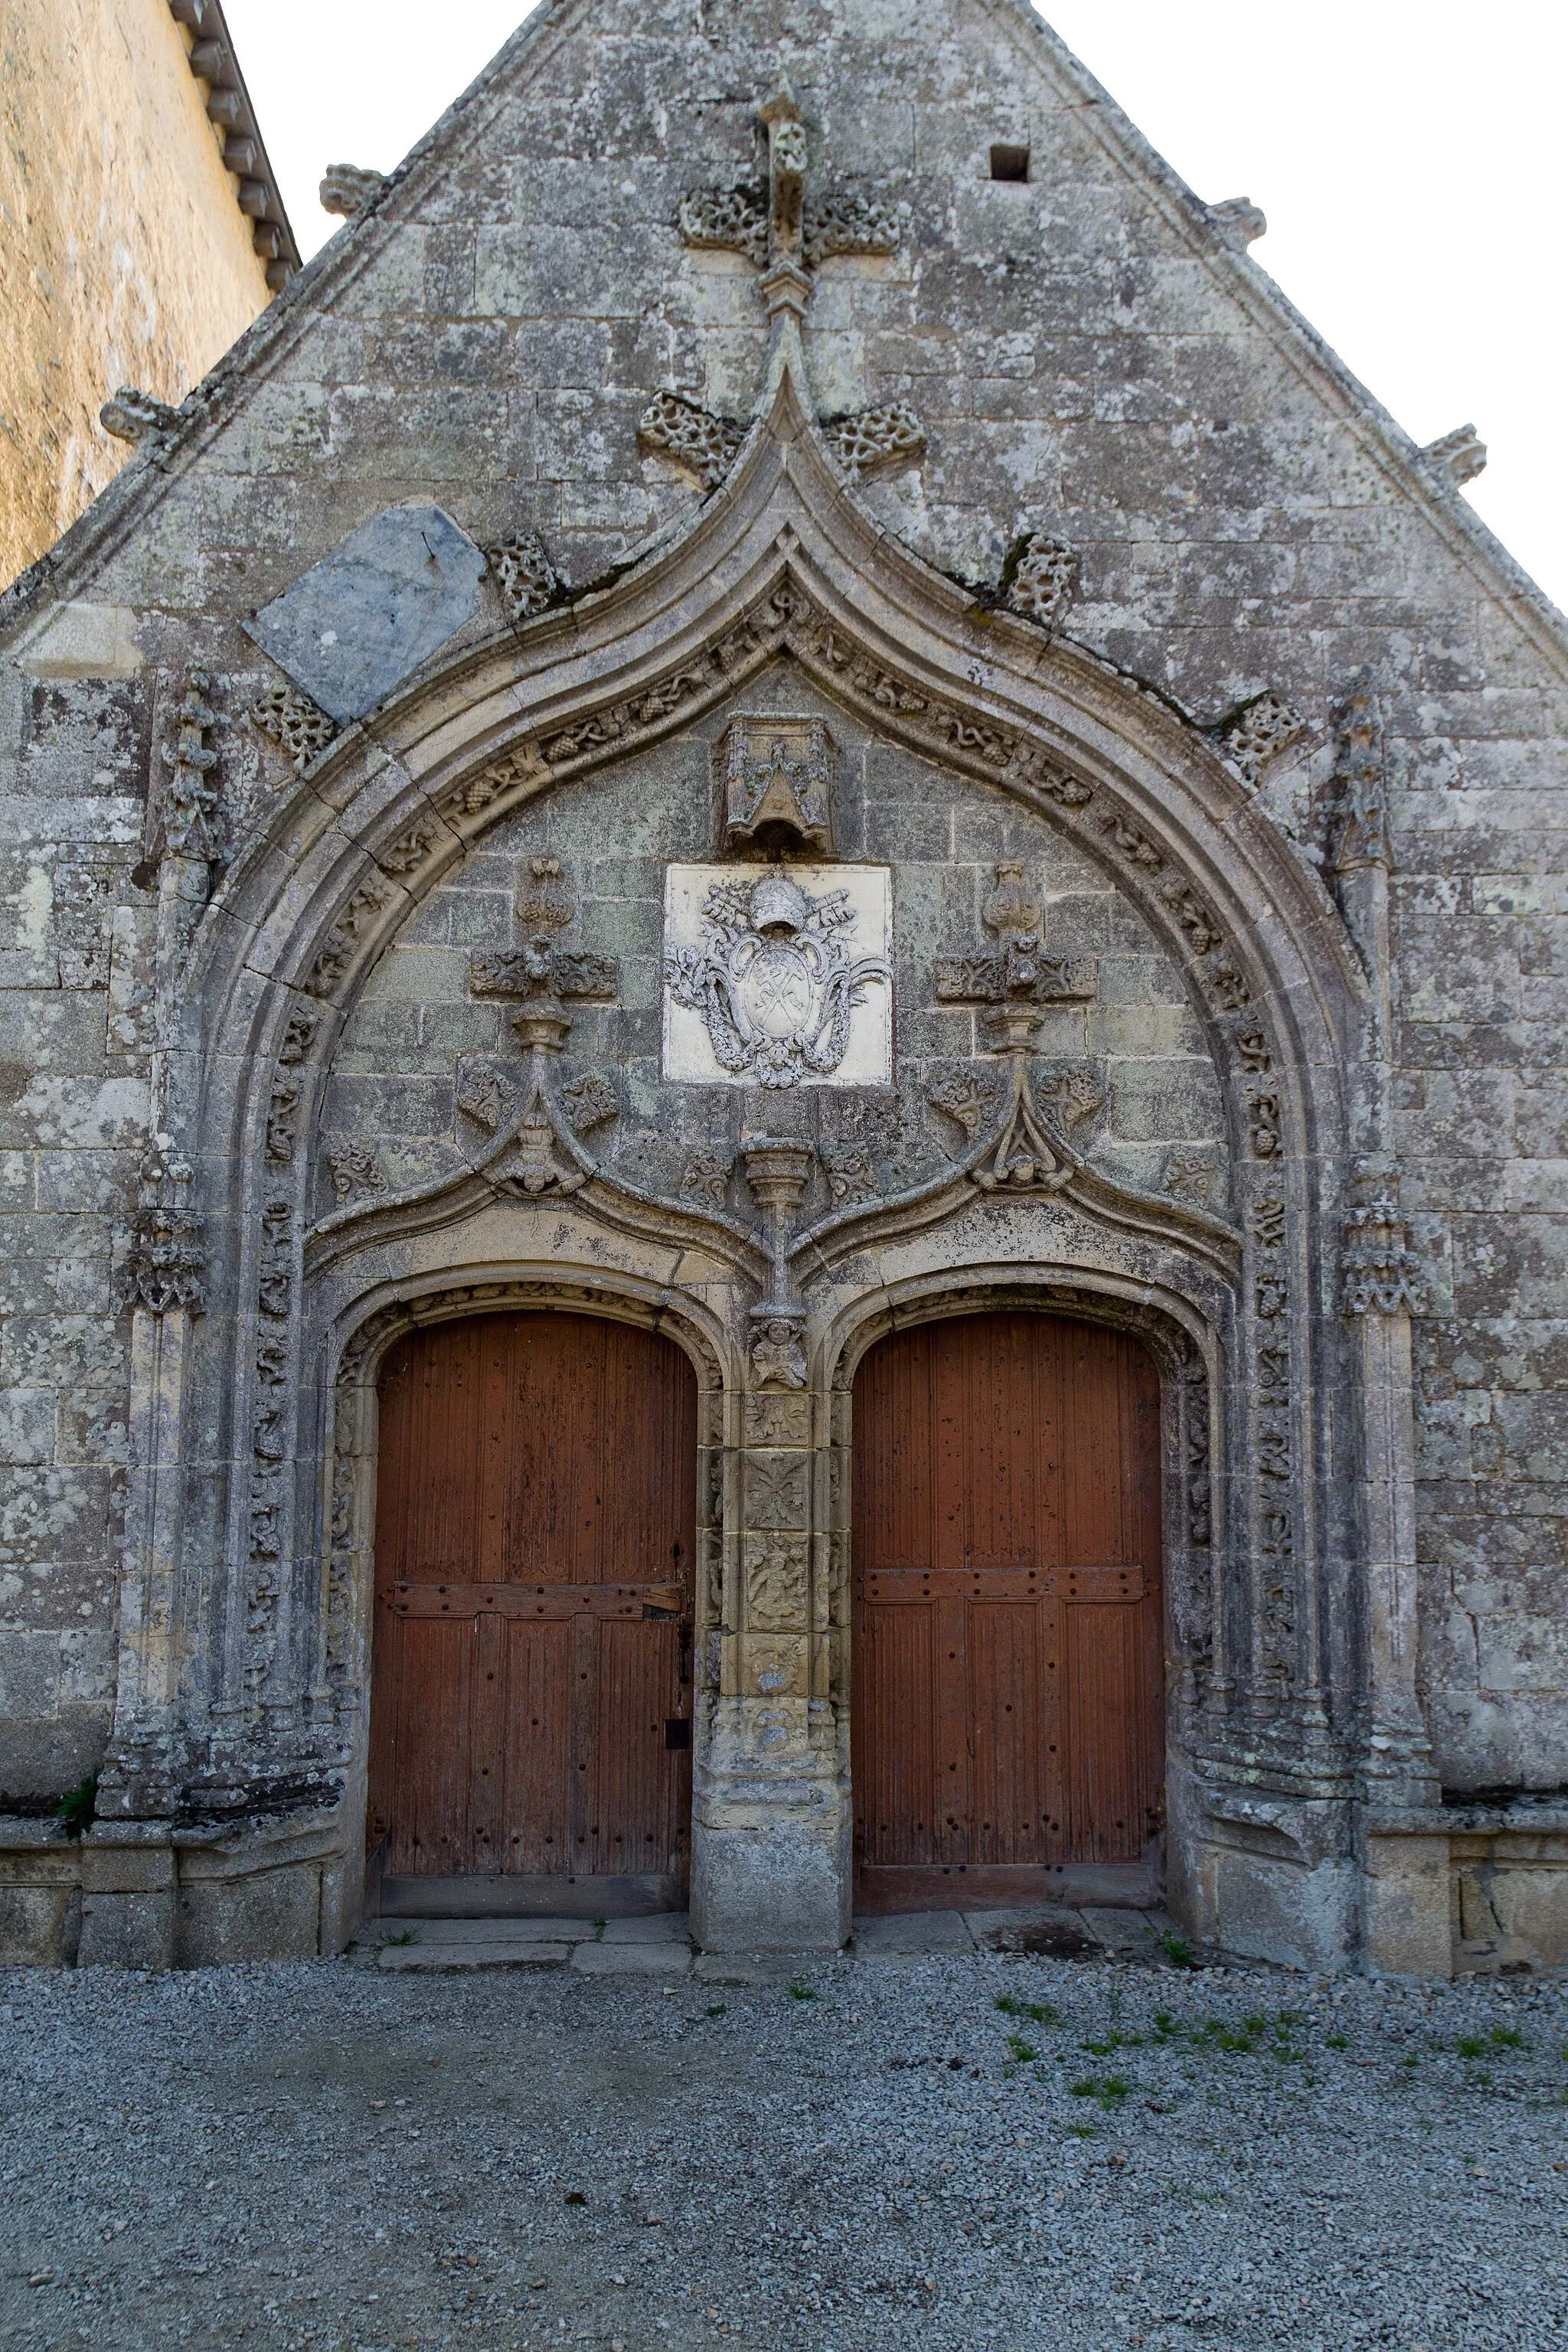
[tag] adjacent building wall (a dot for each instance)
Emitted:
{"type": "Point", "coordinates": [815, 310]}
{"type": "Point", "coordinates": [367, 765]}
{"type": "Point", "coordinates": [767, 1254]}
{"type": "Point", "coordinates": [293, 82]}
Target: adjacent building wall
{"type": "Point", "coordinates": [124, 257]}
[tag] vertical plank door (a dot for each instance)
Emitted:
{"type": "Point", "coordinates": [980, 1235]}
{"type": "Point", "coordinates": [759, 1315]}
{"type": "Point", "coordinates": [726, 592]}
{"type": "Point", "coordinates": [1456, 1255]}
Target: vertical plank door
{"type": "Point", "coordinates": [535, 1528]}
{"type": "Point", "coordinates": [1008, 1678]}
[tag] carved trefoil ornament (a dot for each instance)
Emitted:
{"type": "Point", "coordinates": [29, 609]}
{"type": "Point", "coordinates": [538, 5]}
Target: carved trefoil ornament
{"type": "Point", "coordinates": [777, 977]}
{"type": "Point", "coordinates": [777, 776]}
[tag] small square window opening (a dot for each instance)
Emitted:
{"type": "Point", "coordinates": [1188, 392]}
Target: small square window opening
{"type": "Point", "coordinates": [1009, 163]}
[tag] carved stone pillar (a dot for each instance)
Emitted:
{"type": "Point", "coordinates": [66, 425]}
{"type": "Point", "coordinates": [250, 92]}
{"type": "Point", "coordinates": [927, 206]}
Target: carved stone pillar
{"type": "Point", "coordinates": [771, 1827]}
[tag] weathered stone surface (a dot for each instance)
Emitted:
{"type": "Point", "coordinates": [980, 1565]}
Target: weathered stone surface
{"type": "Point", "coordinates": [388, 596]}
{"type": "Point", "coordinates": [1286, 775]}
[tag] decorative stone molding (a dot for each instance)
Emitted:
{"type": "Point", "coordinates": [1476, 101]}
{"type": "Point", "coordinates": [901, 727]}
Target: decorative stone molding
{"type": "Point", "coordinates": [136, 416]}
{"type": "Point", "coordinates": [1189, 1176]}
{"type": "Point", "coordinates": [727, 220]}
{"type": "Point", "coordinates": [590, 1101]}
{"type": "Point", "coordinates": [1239, 221]}
{"type": "Point", "coordinates": [1039, 578]}
{"type": "Point", "coordinates": [331, 963]}
{"type": "Point", "coordinates": [347, 190]}
{"type": "Point", "coordinates": [355, 1172]}
{"type": "Point", "coordinates": [705, 445]}
{"type": "Point", "coordinates": [776, 776]}
{"type": "Point", "coordinates": [1361, 814]}
{"type": "Point", "coordinates": [296, 724]}
{"type": "Point", "coordinates": [848, 1168]}
{"type": "Point", "coordinates": [961, 1096]}
{"type": "Point", "coordinates": [165, 1267]}
{"type": "Point", "coordinates": [1456, 457]}
{"type": "Point", "coordinates": [528, 580]}
{"type": "Point", "coordinates": [192, 816]}
{"type": "Point", "coordinates": [282, 1111]}
{"type": "Point", "coordinates": [1263, 1122]}
{"type": "Point", "coordinates": [706, 1176]}
{"type": "Point", "coordinates": [1258, 732]}
{"type": "Point", "coordinates": [870, 440]}
{"type": "Point", "coordinates": [1382, 1274]}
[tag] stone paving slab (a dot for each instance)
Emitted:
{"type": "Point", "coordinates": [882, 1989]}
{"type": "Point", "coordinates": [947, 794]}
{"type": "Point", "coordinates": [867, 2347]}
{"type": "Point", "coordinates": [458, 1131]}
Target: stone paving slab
{"type": "Point", "coordinates": [658, 1927]}
{"type": "Point", "coordinates": [912, 1931]}
{"type": "Point", "coordinates": [632, 1960]}
{"type": "Point", "coordinates": [440, 1957]}
{"type": "Point", "coordinates": [490, 1931]}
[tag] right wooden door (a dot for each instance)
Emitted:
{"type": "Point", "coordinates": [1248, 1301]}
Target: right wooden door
{"type": "Point", "coordinates": [1008, 1681]}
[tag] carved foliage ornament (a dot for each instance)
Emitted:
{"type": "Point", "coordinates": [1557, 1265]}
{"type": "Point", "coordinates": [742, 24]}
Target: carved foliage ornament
{"type": "Point", "coordinates": [528, 580]}
{"type": "Point", "coordinates": [1260, 729]}
{"type": "Point", "coordinates": [193, 818]}
{"type": "Point", "coordinates": [293, 722]}
{"type": "Point", "coordinates": [1382, 1272]}
{"type": "Point", "coordinates": [165, 1267]}
{"type": "Point", "coordinates": [775, 979]}
{"type": "Point", "coordinates": [705, 445]}
{"type": "Point", "coordinates": [1040, 578]}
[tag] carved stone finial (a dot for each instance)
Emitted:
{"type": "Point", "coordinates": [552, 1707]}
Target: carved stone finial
{"type": "Point", "coordinates": [294, 722]}
{"type": "Point", "coordinates": [529, 581]}
{"type": "Point", "coordinates": [675, 427]}
{"type": "Point", "coordinates": [1015, 982]}
{"type": "Point", "coordinates": [779, 227]}
{"type": "Point", "coordinates": [347, 189]}
{"type": "Point", "coordinates": [1362, 815]}
{"type": "Point", "coordinates": [1258, 732]}
{"type": "Point", "coordinates": [786, 172]}
{"type": "Point", "coordinates": [777, 777]}
{"type": "Point", "coordinates": [1040, 578]}
{"type": "Point", "coordinates": [1458, 457]}
{"type": "Point", "coordinates": [1239, 221]}
{"type": "Point", "coordinates": [135, 416]}
{"type": "Point", "coordinates": [193, 818]}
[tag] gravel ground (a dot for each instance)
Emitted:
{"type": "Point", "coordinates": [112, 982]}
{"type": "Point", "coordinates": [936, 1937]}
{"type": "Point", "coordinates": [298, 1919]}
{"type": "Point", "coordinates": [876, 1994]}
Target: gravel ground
{"type": "Point", "coordinates": [941, 2154]}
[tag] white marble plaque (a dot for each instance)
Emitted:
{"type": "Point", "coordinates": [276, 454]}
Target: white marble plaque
{"type": "Point", "coordinates": [778, 975]}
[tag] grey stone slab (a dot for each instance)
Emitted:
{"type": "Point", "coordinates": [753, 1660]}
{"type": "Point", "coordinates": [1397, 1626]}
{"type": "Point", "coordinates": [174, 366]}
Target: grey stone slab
{"type": "Point", "coordinates": [498, 1953]}
{"type": "Point", "coordinates": [357, 624]}
{"type": "Point", "coordinates": [632, 1960]}
{"type": "Point", "coordinates": [1119, 1931]}
{"type": "Point", "coordinates": [913, 1931]}
{"type": "Point", "coordinates": [664, 1928]}
{"type": "Point", "coordinates": [1057, 1933]}
{"type": "Point", "coordinates": [496, 1931]}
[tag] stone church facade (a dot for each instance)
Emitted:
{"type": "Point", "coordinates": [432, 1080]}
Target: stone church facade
{"type": "Point", "coordinates": [782, 700]}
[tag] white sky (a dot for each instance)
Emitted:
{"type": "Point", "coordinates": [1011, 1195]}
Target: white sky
{"type": "Point", "coordinates": [1409, 155]}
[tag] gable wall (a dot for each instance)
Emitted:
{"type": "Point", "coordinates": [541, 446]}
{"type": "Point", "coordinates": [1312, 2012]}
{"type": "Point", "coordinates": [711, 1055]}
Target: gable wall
{"type": "Point", "coordinates": [1086, 358]}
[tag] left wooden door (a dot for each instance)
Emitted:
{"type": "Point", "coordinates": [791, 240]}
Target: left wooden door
{"type": "Point", "coordinates": [531, 1705]}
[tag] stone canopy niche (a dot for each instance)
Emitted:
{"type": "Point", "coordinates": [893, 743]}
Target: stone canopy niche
{"type": "Point", "coordinates": [776, 778]}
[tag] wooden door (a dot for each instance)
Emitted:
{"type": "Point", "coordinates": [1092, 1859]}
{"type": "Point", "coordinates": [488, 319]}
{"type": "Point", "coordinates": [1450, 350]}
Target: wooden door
{"type": "Point", "coordinates": [535, 1527]}
{"type": "Point", "coordinates": [1008, 1684]}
